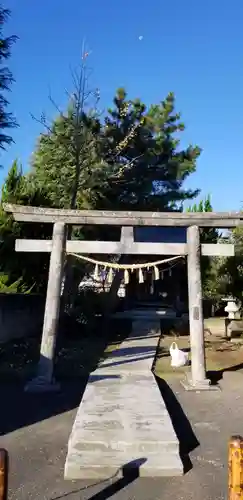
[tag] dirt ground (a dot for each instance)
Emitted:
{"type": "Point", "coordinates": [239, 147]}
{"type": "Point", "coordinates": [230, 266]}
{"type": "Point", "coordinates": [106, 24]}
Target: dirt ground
{"type": "Point", "coordinates": [76, 355]}
{"type": "Point", "coordinates": [221, 355]}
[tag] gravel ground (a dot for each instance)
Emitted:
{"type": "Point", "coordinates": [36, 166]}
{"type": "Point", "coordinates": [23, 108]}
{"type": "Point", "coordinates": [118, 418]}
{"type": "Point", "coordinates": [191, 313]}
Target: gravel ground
{"type": "Point", "coordinates": [35, 430]}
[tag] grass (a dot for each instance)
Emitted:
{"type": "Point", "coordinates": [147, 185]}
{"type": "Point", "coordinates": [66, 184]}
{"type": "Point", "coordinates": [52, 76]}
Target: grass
{"type": "Point", "coordinates": [75, 357]}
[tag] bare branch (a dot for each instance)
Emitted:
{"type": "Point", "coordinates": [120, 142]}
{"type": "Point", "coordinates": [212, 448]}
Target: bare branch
{"type": "Point", "coordinates": [54, 104]}
{"type": "Point", "coordinates": [41, 121]}
{"type": "Point", "coordinates": [125, 167]}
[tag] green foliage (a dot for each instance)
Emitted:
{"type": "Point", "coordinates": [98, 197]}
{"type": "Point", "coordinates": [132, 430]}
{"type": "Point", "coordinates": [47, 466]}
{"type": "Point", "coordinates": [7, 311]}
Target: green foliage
{"type": "Point", "coordinates": [32, 269]}
{"type": "Point", "coordinates": [65, 161]}
{"type": "Point", "coordinates": [216, 285]}
{"type": "Point", "coordinates": [203, 206]}
{"type": "Point", "coordinates": [232, 267]}
{"type": "Point", "coordinates": [14, 184]}
{"type": "Point", "coordinates": [16, 287]}
{"type": "Point", "coordinates": [226, 273]}
{"type": "Point", "coordinates": [221, 276]}
{"type": "Point", "coordinates": [7, 120]}
{"type": "Point", "coordinates": [146, 167]}
{"type": "Point", "coordinates": [133, 160]}
{"type": "Point", "coordinates": [208, 235]}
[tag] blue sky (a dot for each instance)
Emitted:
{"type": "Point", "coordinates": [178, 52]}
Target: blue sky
{"type": "Point", "coordinates": [194, 48]}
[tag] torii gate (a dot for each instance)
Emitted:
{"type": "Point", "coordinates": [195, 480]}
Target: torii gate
{"type": "Point", "coordinates": [127, 220]}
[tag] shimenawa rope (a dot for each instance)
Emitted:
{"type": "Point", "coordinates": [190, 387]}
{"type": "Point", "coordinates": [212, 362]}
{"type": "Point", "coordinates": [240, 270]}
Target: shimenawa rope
{"type": "Point", "coordinates": [126, 267]}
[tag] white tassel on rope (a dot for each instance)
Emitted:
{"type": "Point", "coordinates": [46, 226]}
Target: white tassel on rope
{"type": "Point", "coordinates": [96, 272]}
{"type": "Point", "coordinates": [110, 275]}
{"type": "Point", "coordinates": [126, 277]}
{"type": "Point", "coordinates": [156, 273]}
{"type": "Point", "coordinates": [140, 276]}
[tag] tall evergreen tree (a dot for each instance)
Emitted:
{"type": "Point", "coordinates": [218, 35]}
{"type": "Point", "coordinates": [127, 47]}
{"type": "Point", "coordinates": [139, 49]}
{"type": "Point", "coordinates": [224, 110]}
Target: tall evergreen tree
{"type": "Point", "coordinates": [141, 146]}
{"type": "Point", "coordinates": [208, 235]}
{"type": "Point", "coordinates": [30, 270]}
{"type": "Point", "coordinates": [7, 120]}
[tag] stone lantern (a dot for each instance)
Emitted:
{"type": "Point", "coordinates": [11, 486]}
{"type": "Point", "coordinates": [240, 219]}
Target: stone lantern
{"type": "Point", "coordinates": [231, 308]}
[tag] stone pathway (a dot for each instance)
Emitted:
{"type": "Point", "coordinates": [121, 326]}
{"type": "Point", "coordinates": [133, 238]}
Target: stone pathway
{"type": "Point", "coordinates": [38, 450]}
{"type": "Point", "coordinates": [122, 422]}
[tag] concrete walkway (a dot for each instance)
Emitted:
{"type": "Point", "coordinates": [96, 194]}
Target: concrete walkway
{"type": "Point", "coordinates": [38, 446]}
{"type": "Point", "coordinates": [122, 422]}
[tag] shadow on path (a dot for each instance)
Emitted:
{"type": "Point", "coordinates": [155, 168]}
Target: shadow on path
{"type": "Point", "coordinates": [216, 375]}
{"type": "Point", "coordinates": [183, 429]}
{"type": "Point", "coordinates": [97, 378]}
{"type": "Point", "coordinates": [125, 361]}
{"type": "Point", "coordinates": [130, 473]}
{"type": "Point", "coordinates": [20, 409]}
{"type": "Point", "coordinates": [131, 351]}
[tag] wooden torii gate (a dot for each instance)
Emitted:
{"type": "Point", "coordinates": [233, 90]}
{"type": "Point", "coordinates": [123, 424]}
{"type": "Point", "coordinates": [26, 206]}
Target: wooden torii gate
{"type": "Point", "coordinates": [127, 220]}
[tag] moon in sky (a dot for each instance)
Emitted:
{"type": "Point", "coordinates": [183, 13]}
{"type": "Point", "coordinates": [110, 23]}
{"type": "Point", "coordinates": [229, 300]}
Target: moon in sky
{"type": "Point", "coordinates": [140, 38]}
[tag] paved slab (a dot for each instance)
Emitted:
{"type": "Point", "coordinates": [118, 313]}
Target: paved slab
{"type": "Point", "coordinates": [109, 434]}
{"type": "Point", "coordinates": [122, 420]}
{"type": "Point", "coordinates": [134, 355]}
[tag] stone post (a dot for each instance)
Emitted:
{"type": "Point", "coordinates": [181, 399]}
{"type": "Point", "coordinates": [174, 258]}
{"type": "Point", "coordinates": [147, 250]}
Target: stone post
{"type": "Point", "coordinates": [198, 378]}
{"type": "Point", "coordinates": [44, 380]}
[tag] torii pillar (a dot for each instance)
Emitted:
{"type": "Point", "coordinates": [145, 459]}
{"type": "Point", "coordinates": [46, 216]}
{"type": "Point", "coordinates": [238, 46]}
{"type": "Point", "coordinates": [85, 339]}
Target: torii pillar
{"type": "Point", "coordinates": [44, 380]}
{"type": "Point", "coordinates": [197, 379]}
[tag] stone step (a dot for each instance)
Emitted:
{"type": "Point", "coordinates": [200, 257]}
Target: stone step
{"type": "Point", "coordinates": [93, 466]}
{"type": "Point", "coordinates": [111, 446]}
{"type": "Point", "coordinates": [150, 314]}
{"type": "Point", "coordinates": [117, 422]}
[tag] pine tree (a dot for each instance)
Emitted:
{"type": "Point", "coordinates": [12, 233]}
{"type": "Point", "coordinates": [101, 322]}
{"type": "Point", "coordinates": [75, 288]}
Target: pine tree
{"type": "Point", "coordinates": [7, 119]}
{"type": "Point", "coordinates": [147, 166]}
